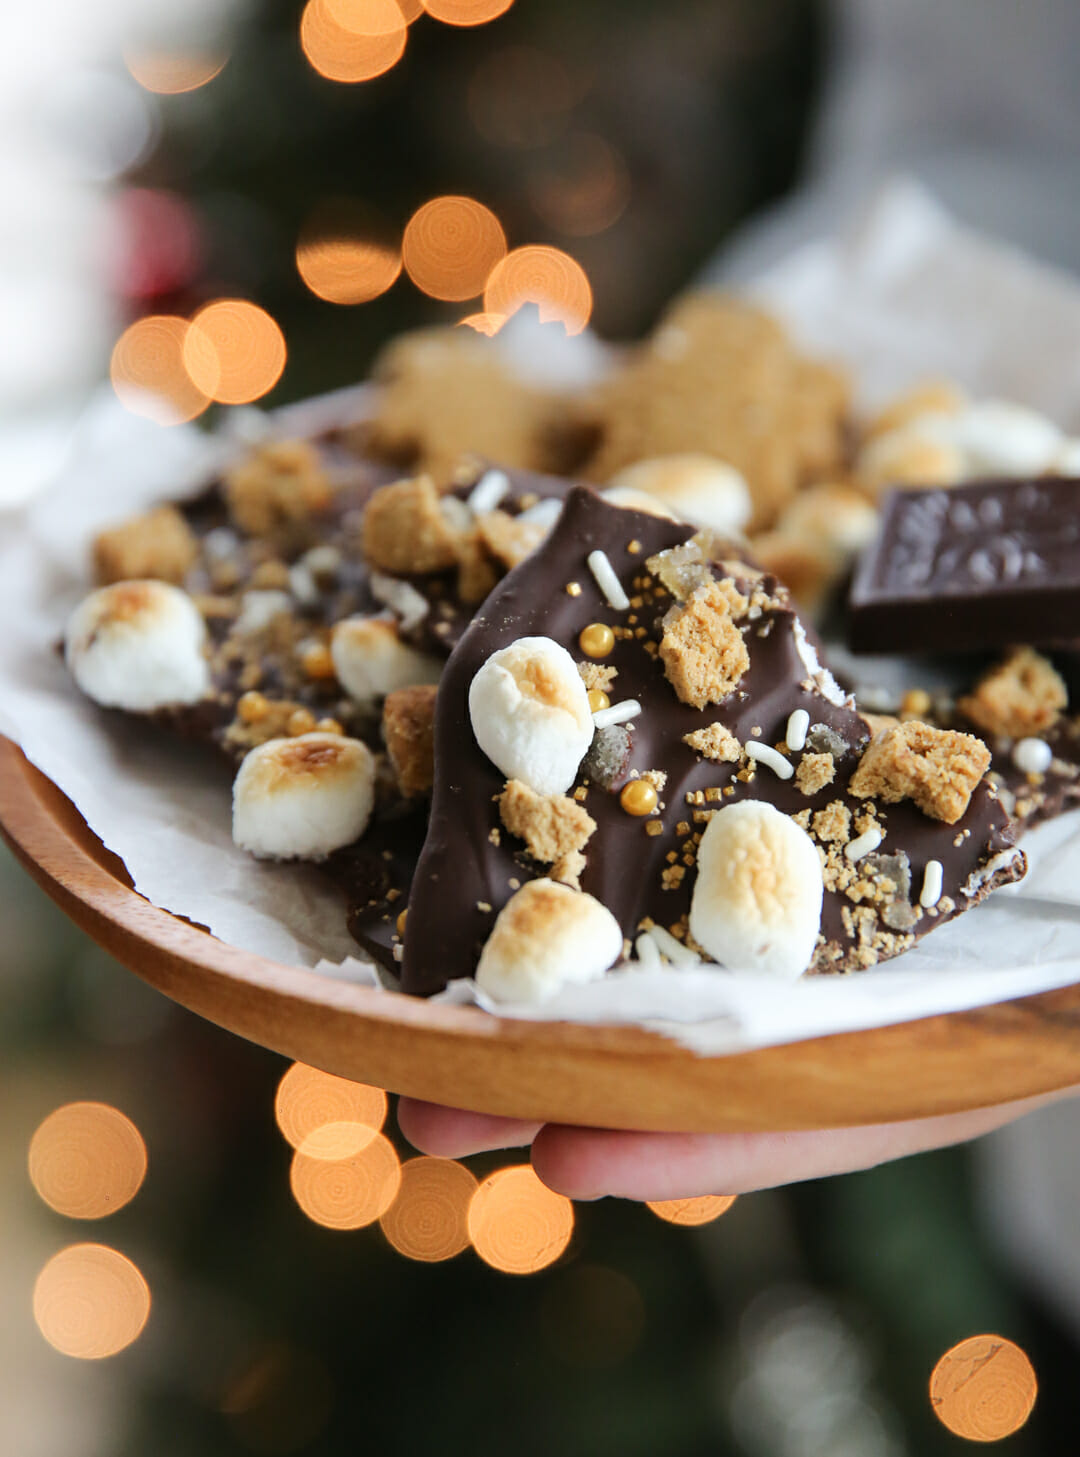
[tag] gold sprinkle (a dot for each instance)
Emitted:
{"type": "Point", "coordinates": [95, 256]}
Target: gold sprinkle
{"type": "Point", "coordinates": [301, 721]}
{"type": "Point", "coordinates": [573, 589]}
{"type": "Point", "coordinates": [581, 794]}
{"type": "Point", "coordinates": [654, 827]}
{"type": "Point", "coordinates": [639, 797]}
{"type": "Point", "coordinates": [402, 918]}
{"type": "Point", "coordinates": [598, 700]}
{"type": "Point", "coordinates": [634, 547]}
{"type": "Point", "coordinates": [682, 828]}
{"type": "Point", "coordinates": [252, 707]}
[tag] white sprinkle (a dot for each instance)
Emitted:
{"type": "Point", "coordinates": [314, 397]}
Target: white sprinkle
{"type": "Point", "coordinates": [769, 756]}
{"type": "Point", "coordinates": [675, 951]}
{"type": "Point", "coordinates": [401, 597]}
{"type": "Point", "coordinates": [302, 584]}
{"type": "Point", "coordinates": [618, 713]}
{"type": "Point", "coordinates": [863, 845]}
{"type": "Point", "coordinates": [488, 492]}
{"type": "Point", "coordinates": [545, 513]}
{"type": "Point", "coordinates": [258, 608]}
{"type": "Point", "coordinates": [1032, 756]}
{"type": "Point", "coordinates": [607, 581]}
{"type": "Point", "coordinates": [648, 953]}
{"type": "Point", "coordinates": [931, 886]}
{"type": "Point", "coordinates": [797, 726]}
{"type": "Point", "coordinates": [399, 952]}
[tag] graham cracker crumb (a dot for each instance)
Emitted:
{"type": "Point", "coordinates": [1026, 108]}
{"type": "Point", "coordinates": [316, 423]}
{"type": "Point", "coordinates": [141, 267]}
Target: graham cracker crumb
{"type": "Point", "coordinates": [715, 742]}
{"type": "Point", "coordinates": [833, 823]}
{"type": "Point", "coordinates": [815, 771]}
{"type": "Point", "coordinates": [656, 777]}
{"type": "Point", "coordinates": [408, 724]}
{"type": "Point", "coordinates": [703, 652]}
{"type": "Point", "coordinates": [937, 768]}
{"type": "Point", "coordinates": [405, 530]}
{"type": "Point", "coordinates": [553, 826]}
{"type": "Point", "coordinates": [159, 545]}
{"type": "Point", "coordinates": [596, 675]}
{"type": "Point", "coordinates": [1020, 698]}
{"type": "Point", "coordinates": [476, 575]}
{"type": "Point", "coordinates": [878, 722]}
{"type": "Point", "coordinates": [278, 486]}
{"type": "Point", "coordinates": [568, 868]}
{"type": "Point", "coordinates": [507, 538]}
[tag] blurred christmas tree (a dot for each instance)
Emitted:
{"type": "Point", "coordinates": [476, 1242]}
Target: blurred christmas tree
{"type": "Point", "coordinates": [633, 136]}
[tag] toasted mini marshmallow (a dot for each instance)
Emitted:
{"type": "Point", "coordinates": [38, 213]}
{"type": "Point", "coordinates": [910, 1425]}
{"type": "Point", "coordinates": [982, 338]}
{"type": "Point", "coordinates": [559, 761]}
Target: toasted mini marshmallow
{"type": "Point", "coordinates": [140, 646]}
{"type": "Point", "coordinates": [697, 488]}
{"type": "Point", "coordinates": [833, 515]}
{"type": "Point", "coordinates": [301, 798]}
{"type": "Point", "coordinates": [632, 500]}
{"type": "Point", "coordinates": [371, 660]}
{"type": "Point", "coordinates": [917, 454]}
{"type": "Point", "coordinates": [547, 936]}
{"type": "Point", "coordinates": [530, 713]}
{"type": "Point", "coordinates": [757, 899]}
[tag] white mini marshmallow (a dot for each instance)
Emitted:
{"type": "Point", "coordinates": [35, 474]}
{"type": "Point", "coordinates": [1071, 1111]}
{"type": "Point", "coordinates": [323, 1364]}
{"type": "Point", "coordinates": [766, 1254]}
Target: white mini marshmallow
{"type": "Point", "coordinates": [757, 899]}
{"type": "Point", "coordinates": [1067, 460]}
{"type": "Point", "coordinates": [140, 646]}
{"type": "Point", "coordinates": [547, 936]}
{"type": "Point", "coordinates": [371, 660]}
{"type": "Point", "coordinates": [301, 798]}
{"type": "Point", "coordinates": [697, 488]}
{"type": "Point", "coordinates": [530, 713]}
{"type": "Point", "coordinates": [1002, 438]}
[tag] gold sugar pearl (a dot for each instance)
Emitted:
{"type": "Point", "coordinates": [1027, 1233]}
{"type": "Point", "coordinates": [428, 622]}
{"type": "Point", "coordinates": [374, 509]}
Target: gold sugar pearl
{"type": "Point", "coordinates": [916, 701]}
{"type": "Point", "coordinates": [598, 699]}
{"type": "Point", "coordinates": [329, 726]}
{"type": "Point", "coordinates": [402, 917]}
{"type": "Point", "coordinates": [251, 707]}
{"type": "Point", "coordinates": [301, 721]}
{"type": "Point", "coordinates": [596, 640]}
{"type": "Point", "coordinates": [317, 662]}
{"type": "Point", "coordinates": [638, 797]}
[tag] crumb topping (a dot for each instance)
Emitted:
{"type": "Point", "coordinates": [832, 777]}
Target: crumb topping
{"type": "Point", "coordinates": [715, 742]}
{"type": "Point", "coordinates": [405, 531]}
{"type": "Point", "coordinates": [815, 771]}
{"type": "Point", "coordinates": [277, 487]}
{"type": "Point", "coordinates": [554, 827]}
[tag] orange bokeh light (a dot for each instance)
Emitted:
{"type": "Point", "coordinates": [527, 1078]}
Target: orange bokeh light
{"type": "Point", "coordinates": [467, 12]}
{"type": "Point", "coordinates": [352, 40]}
{"type": "Point", "coordinates": [702, 1210]}
{"type": "Point", "coordinates": [169, 73]}
{"type": "Point", "coordinates": [429, 1219]}
{"type": "Point", "coordinates": [234, 351]}
{"type": "Point", "coordinates": [316, 1111]}
{"type": "Point", "coordinates": [344, 255]}
{"type": "Point", "coordinates": [983, 1389]}
{"type": "Point", "coordinates": [517, 1224]}
{"type": "Point", "coordinates": [585, 191]}
{"type": "Point", "coordinates": [450, 246]}
{"type": "Point", "coordinates": [544, 276]}
{"type": "Point", "coordinates": [90, 1302]}
{"type": "Point", "coordinates": [486, 324]}
{"type": "Point", "coordinates": [411, 9]}
{"type": "Point", "coordinates": [148, 371]}
{"type": "Point", "coordinates": [87, 1160]}
{"type": "Point", "coordinates": [347, 1193]}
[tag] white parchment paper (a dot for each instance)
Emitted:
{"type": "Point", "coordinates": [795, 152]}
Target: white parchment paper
{"type": "Point", "coordinates": [902, 294]}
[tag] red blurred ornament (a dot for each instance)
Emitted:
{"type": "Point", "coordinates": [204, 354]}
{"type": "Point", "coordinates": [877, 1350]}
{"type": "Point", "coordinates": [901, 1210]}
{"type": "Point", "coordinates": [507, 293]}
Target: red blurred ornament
{"type": "Point", "coordinates": [158, 245]}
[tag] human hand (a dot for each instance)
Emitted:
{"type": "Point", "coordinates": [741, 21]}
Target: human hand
{"type": "Point", "coordinates": [589, 1163]}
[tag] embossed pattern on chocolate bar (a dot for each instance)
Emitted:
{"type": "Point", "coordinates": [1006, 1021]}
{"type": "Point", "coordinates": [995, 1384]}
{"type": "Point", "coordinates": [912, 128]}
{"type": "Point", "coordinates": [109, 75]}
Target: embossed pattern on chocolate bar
{"type": "Point", "coordinates": [978, 566]}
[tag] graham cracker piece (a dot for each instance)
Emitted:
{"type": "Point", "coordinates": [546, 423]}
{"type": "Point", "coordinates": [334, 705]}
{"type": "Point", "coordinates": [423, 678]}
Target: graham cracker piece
{"type": "Point", "coordinates": [702, 650]}
{"type": "Point", "coordinates": [158, 545]}
{"type": "Point", "coordinates": [815, 771]}
{"type": "Point", "coordinates": [405, 530]}
{"type": "Point", "coordinates": [937, 768]}
{"type": "Point", "coordinates": [1019, 698]}
{"type": "Point", "coordinates": [278, 486]}
{"type": "Point", "coordinates": [408, 725]}
{"type": "Point", "coordinates": [554, 827]}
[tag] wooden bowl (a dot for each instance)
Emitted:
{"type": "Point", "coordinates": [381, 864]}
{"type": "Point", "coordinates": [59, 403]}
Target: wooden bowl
{"type": "Point", "coordinates": [614, 1077]}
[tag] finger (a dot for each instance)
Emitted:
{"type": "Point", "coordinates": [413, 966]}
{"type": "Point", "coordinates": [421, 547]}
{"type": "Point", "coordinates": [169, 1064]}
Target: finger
{"type": "Point", "coordinates": [589, 1163]}
{"type": "Point", "coordinates": [453, 1133]}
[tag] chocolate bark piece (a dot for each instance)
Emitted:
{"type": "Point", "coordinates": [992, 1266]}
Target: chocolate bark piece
{"type": "Point", "coordinates": [643, 868]}
{"type": "Point", "coordinates": [978, 566]}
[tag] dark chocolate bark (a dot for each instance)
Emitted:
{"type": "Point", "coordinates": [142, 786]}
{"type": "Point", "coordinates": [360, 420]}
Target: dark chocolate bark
{"type": "Point", "coordinates": [470, 864]}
